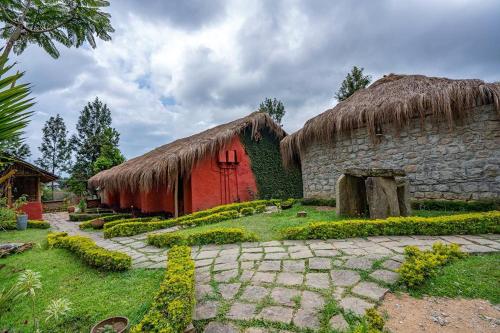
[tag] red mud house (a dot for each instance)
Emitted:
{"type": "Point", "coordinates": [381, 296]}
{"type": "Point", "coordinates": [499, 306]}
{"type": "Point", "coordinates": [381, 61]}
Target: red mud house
{"type": "Point", "coordinates": [237, 161]}
{"type": "Point", "coordinates": [23, 178]}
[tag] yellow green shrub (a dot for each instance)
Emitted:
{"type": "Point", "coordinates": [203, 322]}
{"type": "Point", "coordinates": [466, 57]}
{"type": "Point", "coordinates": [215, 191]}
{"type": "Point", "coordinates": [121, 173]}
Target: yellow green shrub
{"type": "Point", "coordinates": [471, 223]}
{"type": "Point", "coordinates": [213, 236]}
{"type": "Point", "coordinates": [106, 219]}
{"type": "Point", "coordinates": [419, 265]}
{"type": "Point", "coordinates": [89, 252]}
{"type": "Point", "coordinates": [172, 308]}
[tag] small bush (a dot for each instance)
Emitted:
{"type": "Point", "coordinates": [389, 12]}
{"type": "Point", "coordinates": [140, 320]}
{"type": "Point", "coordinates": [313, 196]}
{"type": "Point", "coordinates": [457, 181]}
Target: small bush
{"type": "Point", "coordinates": [472, 223]}
{"type": "Point", "coordinates": [78, 217]}
{"type": "Point", "coordinates": [318, 202]}
{"type": "Point", "coordinates": [260, 209]}
{"type": "Point", "coordinates": [457, 205]}
{"type": "Point", "coordinates": [213, 236]}
{"type": "Point", "coordinates": [137, 219]}
{"type": "Point", "coordinates": [419, 265]}
{"type": "Point", "coordinates": [134, 228]}
{"type": "Point", "coordinates": [374, 319]}
{"type": "Point", "coordinates": [92, 254]}
{"type": "Point", "coordinates": [32, 224]}
{"type": "Point", "coordinates": [247, 211]}
{"type": "Point", "coordinates": [172, 308]}
{"type": "Point", "coordinates": [288, 203]}
{"type": "Point", "coordinates": [106, 219]}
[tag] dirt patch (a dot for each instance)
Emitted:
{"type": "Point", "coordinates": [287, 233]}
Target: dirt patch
{"type": "Point", "coordinates": [434, 314]}
{"type": "Point", "coordinates": [324, 208]}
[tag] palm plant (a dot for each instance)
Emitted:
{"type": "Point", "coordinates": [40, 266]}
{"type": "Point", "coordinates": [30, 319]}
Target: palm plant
{"type": "Point", "coordinates": [14, 103]}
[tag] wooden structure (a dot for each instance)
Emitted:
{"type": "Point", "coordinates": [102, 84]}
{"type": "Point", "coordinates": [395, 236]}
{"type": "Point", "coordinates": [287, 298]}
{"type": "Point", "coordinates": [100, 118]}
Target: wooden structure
{"type": "Point", "coordinates": [24, 178]}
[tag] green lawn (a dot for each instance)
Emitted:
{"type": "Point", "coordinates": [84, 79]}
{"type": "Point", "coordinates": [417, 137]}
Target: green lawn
{"type": "Point", "coordinates": [472, 277]}
{"type": "Point", "coordinates": [268, 226]}
{"type": "Point", "coordinates": [95, 295]}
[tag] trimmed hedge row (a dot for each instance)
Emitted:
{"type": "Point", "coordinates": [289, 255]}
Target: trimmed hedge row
{"type": "Point", "coordinates": [172, 308]}
{"type": "Point", "coordinates": [213, 236]}
{"type": "Point", "coordinates": [318, 202]}
{"type": "Point", "coordinates": [32, 224]}
{"type": "Point", "coordinates": [419, 265]}
{"type": "Point", "coordinates": [88, 224]}
{"type": "Point", "coordinates": [472, 223]}
{"type": "Point", "coordinates": [78, 217]}
{"type": "Point", "coordinates": [137, 220]}
{"type": "Point", "coordinates": [134, 228]}
{"type": "Point", "coordinates": [92, 254]}
{"type": "Point", "coordinates": [457, 205]}
{"type": "Point", "coordinates": [131, 228]}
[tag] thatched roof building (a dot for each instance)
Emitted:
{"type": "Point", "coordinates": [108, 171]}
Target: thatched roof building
{"type": "Point", "coordinates": [403, 121]}
{"type": "Point", "coordinates": [163, 165]}
{"type": "Point", "coordinates": [208, 168]}
{"type": "Point", "coordinates": [394, 100]}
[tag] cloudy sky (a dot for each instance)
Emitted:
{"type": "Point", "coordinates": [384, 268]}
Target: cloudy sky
{"type": "Point", "coordinates": [175, 68]}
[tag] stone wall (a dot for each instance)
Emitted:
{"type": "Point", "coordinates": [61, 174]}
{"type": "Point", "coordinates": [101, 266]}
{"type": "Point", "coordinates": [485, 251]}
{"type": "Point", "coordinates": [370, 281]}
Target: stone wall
{"type": "Point", "coordinates": [463, 163]}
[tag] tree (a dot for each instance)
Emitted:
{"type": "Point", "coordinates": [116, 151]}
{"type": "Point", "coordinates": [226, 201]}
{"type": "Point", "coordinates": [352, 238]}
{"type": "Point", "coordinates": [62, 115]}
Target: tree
{"type": "Point", "coordinates": [110, 154]}
{"type": "Point", "coordinates": [93, 132]}
{"type": "Point", "coordinates": [15, 147]}
{"type": "Point", "coordinates": [274, 108]}
{"type": "Point", "coordinates": [14, 103]}
{"type": "Point", "coordinates": [55, 148]}
{"type": "Point", "coordinates": [354, 81]}
{"type": "Point", "coordinates": [69, 22]}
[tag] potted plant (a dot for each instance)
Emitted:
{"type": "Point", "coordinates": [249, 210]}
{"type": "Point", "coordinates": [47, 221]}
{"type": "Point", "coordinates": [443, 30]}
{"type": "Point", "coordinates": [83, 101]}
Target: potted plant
{"type": "Point", "coordinates": [21, 217]}
{"type": "Point", "coordinates": [113, 324]}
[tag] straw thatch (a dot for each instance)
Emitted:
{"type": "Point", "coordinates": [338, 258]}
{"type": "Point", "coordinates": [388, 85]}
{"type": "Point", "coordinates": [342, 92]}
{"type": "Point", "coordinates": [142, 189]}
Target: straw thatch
{"type": "Point", "coordinates": [393, 101]}
{"type": "Point", "coordinates": [163, 165]}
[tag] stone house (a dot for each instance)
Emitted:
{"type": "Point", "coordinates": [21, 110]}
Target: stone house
{"type": "Point", "coordinates": [444, 133]}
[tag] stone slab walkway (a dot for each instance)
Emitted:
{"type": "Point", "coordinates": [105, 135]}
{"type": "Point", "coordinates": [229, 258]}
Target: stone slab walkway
{"type": "Point", "coordinates": [285, 285]}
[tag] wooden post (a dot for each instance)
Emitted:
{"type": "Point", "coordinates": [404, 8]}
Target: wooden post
{"type": "Point", "coordinates": [176, 198]}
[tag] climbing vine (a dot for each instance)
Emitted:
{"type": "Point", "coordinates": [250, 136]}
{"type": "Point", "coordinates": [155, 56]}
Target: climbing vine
{"type": "Point", "coordinates": [273, 180]}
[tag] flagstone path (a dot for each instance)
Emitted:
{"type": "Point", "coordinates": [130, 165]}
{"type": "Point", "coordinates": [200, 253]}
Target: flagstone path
{"type": "Point", "coordinates": [285, 285]}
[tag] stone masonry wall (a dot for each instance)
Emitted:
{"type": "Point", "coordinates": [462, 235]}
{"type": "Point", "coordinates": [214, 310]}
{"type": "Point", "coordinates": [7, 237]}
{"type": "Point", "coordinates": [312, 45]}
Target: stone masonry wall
{"type": "Point", "coordinates": [441, 164]}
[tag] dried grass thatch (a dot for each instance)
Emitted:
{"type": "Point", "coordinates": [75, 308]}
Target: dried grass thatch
{"type": "Point", "coordinates": [163, 165]}
{"type": "Point", "coordinates": [394, 100]}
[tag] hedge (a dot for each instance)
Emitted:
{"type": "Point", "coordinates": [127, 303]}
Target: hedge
{"type": "Point", "coordinates": [78, 217]}
{"type": "Point", "coordinates": [89, 252]}
{"type": "Point", "coordinates": [318, 202]}
{"type": "Point", "coordinates": [137, 219]}
{"type": "Point", "coordinates": [131, 228]}
{"type": "Point", "coordinates": [472, 223]}
{"type": "Point", "coordinates": [134, 228]}
{"type": "Point", "coordinates": [88, 224]}
{"type": "Point", "coordinates": [213, 236]}
{"type": "Point", "coordinates": [172, 308]}
{"type": "Point", "coordinates": [419, 265]}
{"type": "Point", "coordinates": [457, 205]}
{"type": "Point", "coordinates": [32, 224]}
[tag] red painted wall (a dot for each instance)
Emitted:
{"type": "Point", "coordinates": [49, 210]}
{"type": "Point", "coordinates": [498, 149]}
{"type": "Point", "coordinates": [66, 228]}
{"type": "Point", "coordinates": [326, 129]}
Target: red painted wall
{"type": "Point", "coordinates": [210, 185]}
{"type": "Point", "coordinates": [207, 180]}
{"type": "Point", "coordinates": [33, 209]}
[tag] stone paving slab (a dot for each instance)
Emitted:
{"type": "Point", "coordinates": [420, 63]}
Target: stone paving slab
{"type": "Point", "coordinates": [285, 282]}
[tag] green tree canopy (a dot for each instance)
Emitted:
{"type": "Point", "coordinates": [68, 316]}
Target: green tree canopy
{"type": "Point", "coordinates": [274, 108]}
{"type": "Point", "coordinates": [15, 147]}
{"type": "Point", "coordinates": [354, 81]}
{"type": "Point", "coordinates": [110, 154]}
{"type": "Point", "coordinates": [55, 148]}
{"type": "Point", "coordinates": [94, 136]}
{"type": "Point", "coordinates": [41, 22]}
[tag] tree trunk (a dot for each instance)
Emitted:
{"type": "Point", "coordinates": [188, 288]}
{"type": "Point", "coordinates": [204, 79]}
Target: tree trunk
{"type": "Point", "coordinates": [10, 43]}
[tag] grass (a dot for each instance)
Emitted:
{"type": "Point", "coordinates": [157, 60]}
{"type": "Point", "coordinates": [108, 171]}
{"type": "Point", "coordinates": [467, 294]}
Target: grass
{"type": "Point", "coordinates": [473, 277]}
{"type": "Point", "coordinates": [94, 295]}
{"type": "Point", "coordinates": [267, 226]}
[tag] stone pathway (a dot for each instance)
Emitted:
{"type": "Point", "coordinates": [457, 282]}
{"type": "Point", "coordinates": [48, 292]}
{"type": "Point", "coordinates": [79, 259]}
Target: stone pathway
{"type": "Point", "coordinates": [285, 286]}
{"type": "Point", "coordinates": [143, 255]}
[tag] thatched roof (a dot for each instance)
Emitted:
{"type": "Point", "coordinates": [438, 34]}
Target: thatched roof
{"type": "Point", "coordinates": [163, 165]}
{"type": "Point", "coordinates": [393, 101]}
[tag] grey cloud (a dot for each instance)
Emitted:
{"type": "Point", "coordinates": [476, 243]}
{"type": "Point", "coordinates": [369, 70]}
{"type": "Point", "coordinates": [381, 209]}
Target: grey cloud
{"type": "Point", "coordinates": [187, 14]}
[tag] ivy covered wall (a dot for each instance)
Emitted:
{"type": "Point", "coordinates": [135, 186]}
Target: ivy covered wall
{"type": "Point", "coordinates": [273, 180]}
